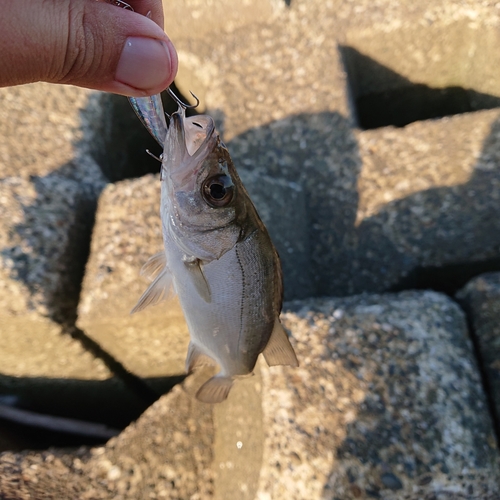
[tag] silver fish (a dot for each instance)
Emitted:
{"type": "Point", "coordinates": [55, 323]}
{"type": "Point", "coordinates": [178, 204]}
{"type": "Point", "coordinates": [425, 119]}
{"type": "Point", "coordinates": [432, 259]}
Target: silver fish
{"type": "Point", "coordinates": [218, 257]}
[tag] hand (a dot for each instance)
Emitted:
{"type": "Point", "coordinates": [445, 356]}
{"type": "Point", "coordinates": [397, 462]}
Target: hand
{"type": "Point", "coordinates": [87, 43]}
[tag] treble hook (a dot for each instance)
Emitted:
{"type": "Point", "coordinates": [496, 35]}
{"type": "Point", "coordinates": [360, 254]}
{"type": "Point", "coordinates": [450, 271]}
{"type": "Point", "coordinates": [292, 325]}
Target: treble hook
{"type": "Point", "coordinates": [121, 3]}
{"type": "Point", "coordinates": [180, 103]}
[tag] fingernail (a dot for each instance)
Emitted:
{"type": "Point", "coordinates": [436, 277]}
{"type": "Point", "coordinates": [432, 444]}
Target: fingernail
{"type": "Point", "coordinates": [145, 63]}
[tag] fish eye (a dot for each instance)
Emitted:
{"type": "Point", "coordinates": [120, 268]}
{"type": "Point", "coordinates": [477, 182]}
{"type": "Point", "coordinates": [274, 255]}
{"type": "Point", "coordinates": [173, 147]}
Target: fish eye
{"type": "Point", "coordinates": [218, 190]}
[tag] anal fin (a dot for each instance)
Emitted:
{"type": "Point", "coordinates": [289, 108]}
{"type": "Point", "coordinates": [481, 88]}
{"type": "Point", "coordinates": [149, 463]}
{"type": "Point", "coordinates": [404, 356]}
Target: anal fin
{"type": "Point", "coordinates": [278, 350]}
{"type": "Point", "coordinates": [196, 358]}
{"type": "Point", "coordinates": [215, 390]}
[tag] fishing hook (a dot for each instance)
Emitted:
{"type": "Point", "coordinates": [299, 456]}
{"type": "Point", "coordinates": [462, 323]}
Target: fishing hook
{"type": "Point", "coordinates": [180, 103]}
{"type": "Point", "coordinates": [160, 159]}
{"type": "Point", "coordinates": [121, 3]}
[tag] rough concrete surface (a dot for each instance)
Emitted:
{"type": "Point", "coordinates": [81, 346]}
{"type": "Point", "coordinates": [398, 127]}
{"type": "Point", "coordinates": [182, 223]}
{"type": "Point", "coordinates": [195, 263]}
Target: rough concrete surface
{"type": "Point", "coordinates": [387, 403]}
{"type": "Point", "coordinates": [481, 299]}
{"type": "Point", "coordinates": [285, 91]}
{"type": "Point", "coordinates": [166, 454]}
{"type": "Point", "coordinates": [43, 232]}
{"type": "Point", "coordinates": [48, 189]}
{"type": "Point", "coordinates": [43, 236]}
{"type": "Point", "coordinates": [127, 231]}
{"type": "Point", "coordinates": [41, 129]}
{"type": "Point", "coordinates": [428, 196]}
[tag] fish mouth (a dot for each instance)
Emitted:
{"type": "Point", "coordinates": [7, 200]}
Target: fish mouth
{"type": "Point", "coordinates": [188, 143]}
{"type": "Point", "coordinates": [196, 131]}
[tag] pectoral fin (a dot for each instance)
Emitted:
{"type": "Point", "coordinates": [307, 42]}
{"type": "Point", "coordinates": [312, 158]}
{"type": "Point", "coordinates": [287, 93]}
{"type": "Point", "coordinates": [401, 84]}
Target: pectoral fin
{"type": "Point", "coordinates": [154, 266]}
{"type": "Point", "coordinates": [278, 350]}
{"type": "Point", "coordinates": [199, 280]}
{"type": "Point", "coordinates": [215, 390]}
{"type": "Point", "coordinates": [196, 358]}
{"type": "Point", "coordinates": [159, 290]}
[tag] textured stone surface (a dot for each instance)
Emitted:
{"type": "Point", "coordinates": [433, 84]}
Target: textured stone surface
{"type": "Point", "coordinates": [428, 195]}
{"type": "Point", "coordinates": [42, 235]}
{"type": "Point", "coordinates": [43, 238]}
{"type": "Point", "coordinates": [481, 299]}
{"type": "Point", "coordinates": [48, 129]}
{"type": "Point", "coordinates": [371, 198]}
{"type": "Point", "coordinates": [431, 47]}
{"type": "Point", "coordinates": [167, 453]}
{"type": "Point", "coordinates": [387, 403]}
{"type": "Point", "coordinates": [48, 189]}
{"type": "Point", "coordinates": [152, 343]}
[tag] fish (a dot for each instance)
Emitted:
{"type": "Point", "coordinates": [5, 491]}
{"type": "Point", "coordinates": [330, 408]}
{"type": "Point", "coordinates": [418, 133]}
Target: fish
{"type": "Point", "coordinates": [218, 256]}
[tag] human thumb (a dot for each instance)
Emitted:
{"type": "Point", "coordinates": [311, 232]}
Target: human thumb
{"type": "Point", "coordinates": [85, 43]}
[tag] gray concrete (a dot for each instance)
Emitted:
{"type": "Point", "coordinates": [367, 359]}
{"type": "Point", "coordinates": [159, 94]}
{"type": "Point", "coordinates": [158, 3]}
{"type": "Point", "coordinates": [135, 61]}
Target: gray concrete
{"type": "Point", "coordinates": [481, 299]}
{"type": "Point", "coordinates": [49, 185]}
{"type": "Point", "coordinates": [152, 343]}
{"type": "Point", "coordinates": [389, 393]}
{"type": "Point", "coordinates": [387, 403]}
{"type": "Point", "coordinates": [284, 90]}
{"type": "Point", "coordinates": [166, 454]}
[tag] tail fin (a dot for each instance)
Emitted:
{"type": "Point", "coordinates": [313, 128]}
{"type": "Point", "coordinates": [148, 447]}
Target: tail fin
{"type": "Point", "coordinates": [279, 351]}
{"type": "Point", "coordinates": [215, 390]}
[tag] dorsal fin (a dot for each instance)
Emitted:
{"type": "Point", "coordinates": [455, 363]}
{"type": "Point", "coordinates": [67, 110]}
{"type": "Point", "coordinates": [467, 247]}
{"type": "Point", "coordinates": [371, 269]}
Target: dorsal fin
{"type": "Point", "coordinates": [278, 350]}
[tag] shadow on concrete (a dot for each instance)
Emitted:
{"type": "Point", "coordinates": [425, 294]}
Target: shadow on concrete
{"type": "Point", "coordinates": [108, 402]}
{"type": "Point", "coordinates": [121, 140]}
{"type": "Point", "coordinates": [382, 97]}
{"type": "Point", "coordinates": [320, 153]}
{"type": "Point", "coordinates": [457, 236]}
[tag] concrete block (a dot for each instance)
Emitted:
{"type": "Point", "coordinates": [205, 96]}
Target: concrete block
{"type": "Point", "coordinates": [282, 208]}
{"type": "Point", "coordinates": [49, 129]}
{"type": "Point", "coordinates": [127, 231]}
{"type": "Point", "coordinates": [481, 299]}
{"type": "Point", "coordinates": [387, 403]}
{"type": "Point", "coordinates": [428, 195]}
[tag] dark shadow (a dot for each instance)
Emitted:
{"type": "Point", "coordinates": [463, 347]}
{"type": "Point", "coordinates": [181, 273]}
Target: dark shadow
{"type": "Point", "coordinates": [382, 97]}
{"type": "Point", "coordinates": [464, 238]}
{"type": "Point", "coordinates": [319, 152]}
{"type": "Point", "coordinates": [108, 402]}
{"type": "Point", "coordinates": [121, 139]}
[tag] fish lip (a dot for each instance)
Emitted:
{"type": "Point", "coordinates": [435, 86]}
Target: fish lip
{"type": "Point", "coordinates": [181, 166]}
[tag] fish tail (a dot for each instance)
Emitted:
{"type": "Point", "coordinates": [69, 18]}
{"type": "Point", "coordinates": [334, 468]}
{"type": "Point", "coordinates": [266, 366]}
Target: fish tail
{"type": "Point", "coordinates": [215, 390]}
